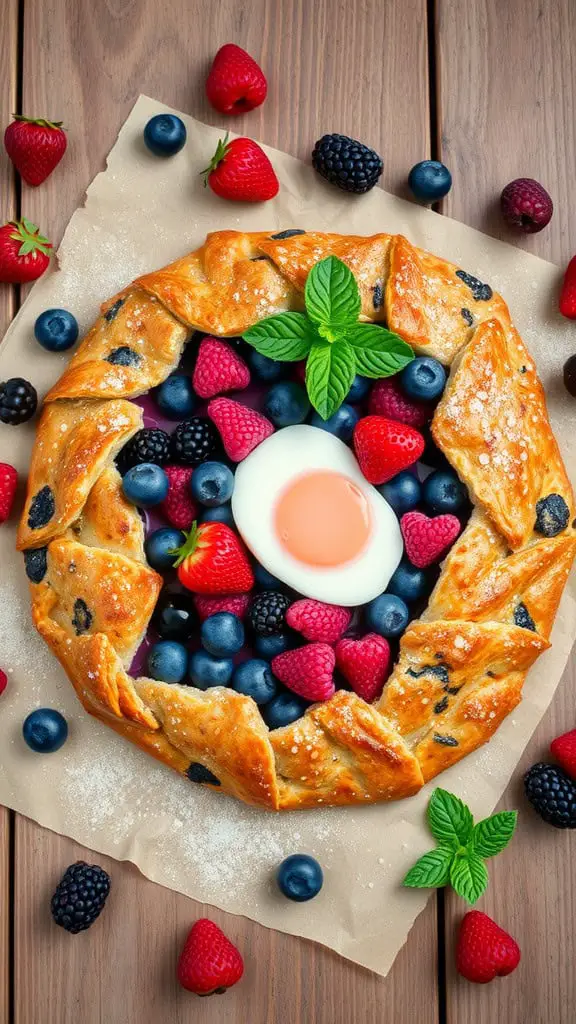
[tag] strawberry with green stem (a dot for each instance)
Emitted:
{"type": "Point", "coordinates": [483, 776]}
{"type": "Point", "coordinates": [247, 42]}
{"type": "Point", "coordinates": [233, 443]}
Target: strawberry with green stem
{"type": "Point", "coordinates": [24, 252]}
{"type": "Point", "coordinates": [213, 561]}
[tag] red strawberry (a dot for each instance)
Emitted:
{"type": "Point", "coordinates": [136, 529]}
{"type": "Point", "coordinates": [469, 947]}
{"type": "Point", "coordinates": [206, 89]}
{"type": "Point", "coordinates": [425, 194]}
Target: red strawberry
{"type": "Point", "coordinates": [24, 252]}
{"type": "Point", "coordinates": [307, 671]}
{"type": "Point", "coordinates": [364, 663]}
{"type": "Point", "coordinates": [235, 83]}
{"type": "Point", "coordinates": [484, 950]}
{"type": "Point", "coordinates": [8, 482]}
{"type": "Point", "coordinates": [426, 540]}
{"type": "Point", "coordinates": [178, 506]}
{"type": "Point", "coordinates": [241, 429]}
{"type": "Point", "coordinates": [564, 750]}
{"type": "Point", "coordinates": [240, 170]}
{"type": "Point", "coordinates": [318, 621]}
{"type": "Point", "coordinates": [209, 962]}
{"type": "Point", "coordinates": [237, 604]}
{"type": "Point", "coordinates": [35, 147]}
{"type": "Point", "coordinates": [386, 399]}
{"type": "Point", "coordinates": [3, 681]}
{"type": "Point", "coordinates": [213, 561]}
{"type": "Point", "coordinates": [384, 447]}
{"type": "Point", "coordinates": [218, 368]}
{"type": "Point", "coordinates": [567, 302]}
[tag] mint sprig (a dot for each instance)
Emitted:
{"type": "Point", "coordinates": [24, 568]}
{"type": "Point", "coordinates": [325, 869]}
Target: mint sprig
{"type": "Point", "coordinates": [329, 335]}
{"type": "Point", "coordinates": [462, 847]}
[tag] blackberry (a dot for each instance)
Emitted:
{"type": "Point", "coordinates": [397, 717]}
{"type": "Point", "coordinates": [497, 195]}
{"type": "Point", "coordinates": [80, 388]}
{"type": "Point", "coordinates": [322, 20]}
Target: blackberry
{"type": "Point", "coordinates": [347, 163]}
{"type": "Point", "coordinates": [267, 612]}
{"type": "Point", "coordinates": [80, 896]}
{"type": "Point", "coordinates": [552, 794]}
{"type": "Point", "coordinates": [194, 441]}
{"type": "Point", "coordinates": [18, 401]}
{"type": "Point", "coordinates": [148, 445]}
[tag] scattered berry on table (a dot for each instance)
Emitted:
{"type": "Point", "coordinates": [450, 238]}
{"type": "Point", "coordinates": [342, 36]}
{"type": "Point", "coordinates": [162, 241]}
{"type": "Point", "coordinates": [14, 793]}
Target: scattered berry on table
{"type": "Point", "coordinates": [80, 896]}
{"type": "Point", "coordinates": [341, 423]}
{"type": "Point", "coordinates": [8, 484]}
{"type": "Point", "coordinates": [409, 582]}
{"type": "Point", "coordinates": [219, 368]}
{"type": "Point", "coordinates": [178, 506]}
{"type": "Point", "coordinates": [526, 205]}
{"type": "Point", "coordinates": [235, 83]}
{"type": "Point", "coordinates": [35, 147]}
{"type": "Point", "coordinates": [387, 615]}
{"type": "Point", "coordinates": [254, 679]}
{"type": "Point", "coordinates": [212, 484]}
{"type": "Point", "coordinates": [222, 635]}
{"type": "Point", "coordinates": [570, 375]}
{"type": "Point", "coordinates": [283, 710]}
{"type": "Point", "coordinates": [286, 404]}
{"type": "Point", "coordinates": [307, 671]}
{"type": "Point", "coordinates": [24, 252]}
{"type": "Point", "coordinates": [484, 951]}
{"type": "Point", "coordinates": [175, 397]}
{"type": "Point", "coordinates": [423, 380]}
{"type": "Point", "coordinates": [194, 441]}
{"type": "Point", "coordinates": [165, 134]}
{"type": "Point", "coordinates": [383, 447]}
{"type": "Point", "coordinates": [364, 663]}
{"type": "Point", "coordinates": [208, 962]}
{"type": "Point", "coordinates": [563, 749]}
{"type": "Point", "coordinates": [300, 877]}
{"type": "Point", "coordinates": [241, 171]}
{"type": "Point", "coordinates": [175, 616]}
{"type": "Point", "coordinates": [205, 670]}
{"type": "Point", "coordinates": [3, 681]}
{"type": "Point", "coordinates": [387, 399]}
{"type": "Point", "coordinates": [241, 429]}
{"type": "Point", "coordinates": [45, 730]}
{"type": "Point", "coordinates": [267, 612]}
{"type": "Point", "coordinates": [359, 390]}
{"type": "Point", "coordinates": [145, 485]}
{"type": "Point", "coordinates": [18, 401]}
{"type": "Point", "coordinates": [316, 620]}
{"type": "Point", "coordinates": [264, 579]}
{"type": "Point", "coordinates": [552, 794]}
{"type": "Point", "coordinates": [217, 514]}
{"type": "Point", "coordinates": [264, 368]}
{"type": "Point", "coordinates": [56, 330]}
{"type": "Point", "coordinates": [347, 163]}
{"type": "Point", "coordinates": [161, 545]}
{"type": "Point", "coordinates": [403, 492]}
{"type": "Point", "coordinates": [167, 661]}
{"type": "Point", "coordinates": [213, 560]}
{"type": "Point", "coordinates": [428, 540]}
{"type": "Point", "coordinates": [552, 515]}
{"type": "Point", "coordinates": [150, 444]}
{"type": "Point", "coordinates": [567, 302]}
{"type": "Point", "coordinates": [268, 647]}
{"type": "Point", "coordinates": [236, 604]}
{"type": "Point", "coordinates": [444, 492]}
{"type": "Point", "coordinates": [429, 181]}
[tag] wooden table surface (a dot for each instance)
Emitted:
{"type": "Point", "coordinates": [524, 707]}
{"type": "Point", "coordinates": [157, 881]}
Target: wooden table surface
{"type": "Point", "coordinates": [488, 86]}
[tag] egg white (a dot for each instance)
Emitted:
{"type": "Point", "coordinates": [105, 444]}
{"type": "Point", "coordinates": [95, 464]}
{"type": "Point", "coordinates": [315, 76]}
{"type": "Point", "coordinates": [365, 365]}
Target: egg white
{"type": "Point", "coordinates": [264, 475]}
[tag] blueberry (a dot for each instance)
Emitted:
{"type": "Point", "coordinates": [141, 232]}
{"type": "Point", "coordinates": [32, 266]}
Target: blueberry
{"type": "Point", "coordinates": [403, 492]}
{"type": "Point", "coordinates": [443, 492]}
{"type": "Point", "coordinates": [265, 368]}
{"type": "Point", "coordinates": [286, 403]}
{"type": "Point", "coordinates": [359, 389]}
{"type": "Point", "coordinates": [222, 635]}
{"type": "Point", "coordinates": [218, 514]}
{"type": "Point", "coordinates": [174, 617]}
{"type": "Point", "coordinates": [212, 484]}
{"type": "Point", "coordinates": [552, 515]}
{"type": "Point", "coordinates": [161, 545]}
{"type": "Point", "coordinates": [408, 582]}
{"type": "Point", "coordinates": [165, 134]}
{"type": "Point", "coordinates": [430, 180]}
{"type": "Point", "coordinates": [341, 423]}
{"type": "Point", "coordinates": [42, 508]}
{"type": "Point", "coordinates": [206, 671]}
{"type": "Point", "coordinates": [45, 730]}
{"type": "Point", "coordinates": [432, 456]}
{"type": "Point", "coordinates": [300, 877]}
{"type": "Point", "coordinates": [268, 647]}
{"type": "Point", "coordinates": [265, 579]}
{"type": "Point", "coordinates": [175, 397]}
{"type": "Point", "coordinates": [145, 485]}
{"type": "Point", "coordinates": [387, 615]}
{"type": "Point", "coordinates": [424, 379]}
{"type": "Point", "coordinates": [283, 709]}
{"type": "Point", "coordinates": [168, 661]}
{"type": "Point", "coordinates": [56, 330]}
{"type": "Point", "coordinates": [254, 679]}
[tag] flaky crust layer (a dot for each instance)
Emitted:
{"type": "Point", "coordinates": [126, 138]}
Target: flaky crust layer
{"type": "Point", "coordinates": [461, 667]}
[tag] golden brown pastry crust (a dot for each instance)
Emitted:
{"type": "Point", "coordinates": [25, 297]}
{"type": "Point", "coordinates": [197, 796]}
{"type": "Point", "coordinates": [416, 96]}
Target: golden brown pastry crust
{"type": "Point", "coordinates": [461, 666]}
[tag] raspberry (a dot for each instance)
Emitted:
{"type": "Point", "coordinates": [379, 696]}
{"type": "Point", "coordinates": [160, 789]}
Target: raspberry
{"type": "Point", "coordinates": [8, 482]}
{"type": "Point", "coordinates": [426, 540]}
{"type": "Point", "coordinates": [564, 750]}
{"type": "Point", "coordinates": [236, 604]}
{"type": "Point", "coordinates": [241, 429]}
{"type": "Point", "coordinates": [218, 368]}
{"type": "Point", "coordinates": [318, 621]}
{"type": "Point", "coordinates": [525, 204]}
{"type": "Point", "coordinates": [178, 506]}
{"type": "Point", "coordinates": [364, 663]}
{"type": "Point", "coordinates": [386, 399]}
{"type": "Point", "coordinates": [307, 671]}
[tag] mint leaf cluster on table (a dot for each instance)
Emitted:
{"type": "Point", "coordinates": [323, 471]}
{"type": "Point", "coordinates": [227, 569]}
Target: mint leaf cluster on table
{"type": "Point", "coordinates": [462, 847]}
{"type": "Point", "coordinates": [335, 344]}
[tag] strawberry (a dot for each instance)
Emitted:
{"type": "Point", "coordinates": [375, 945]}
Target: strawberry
{"type": "Point", "coordinates": [484, 950]}
{"type": "Point", "coordinates": [24, 252]}
{"type": "Point", "coordinates": [178, 506]}
{"type": "Point", "coordinates": [213, 561]}
{"type": "Point", "coordinates": [3, 681]}
{"type": "Point", "coordinates": [318, 621]}
{"type": "Point", "coordinates": [35, 147]}
{"type": "Point", "coordinates": [384, 447]}
{"type": "Point", "coordinates": [236, 604]}
{"type": "Point", "coordinates": [235, 82]}
{"type": "Point", "coordinates": [307, 671]}
{"type": "Point", "coordinates": [8, 482]}
{"type": "Point", "coordinates": [564, 750]}
{"type": "Point", "coordinates": [364, 663]}
{"type": "Point", "coordinates": [426, 540]}
{"type": "Point", "coordinates": [567, 302]}
{"type": "Point", "coordinates": [240, 170]}
{"type": "Point", "coordinates": [209, 962]}
{"type": "Point", "coordinates": [386, 399]}
{"type": "Point", "coordinates": [241, 429]}
{"type": "Point", "coordinates": [218, 368]}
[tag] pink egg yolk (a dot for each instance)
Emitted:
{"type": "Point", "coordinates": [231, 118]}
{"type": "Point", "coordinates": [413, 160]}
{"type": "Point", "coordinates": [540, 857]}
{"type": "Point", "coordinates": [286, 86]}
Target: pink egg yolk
{"type": "Point", "coordinates": [323, 519]}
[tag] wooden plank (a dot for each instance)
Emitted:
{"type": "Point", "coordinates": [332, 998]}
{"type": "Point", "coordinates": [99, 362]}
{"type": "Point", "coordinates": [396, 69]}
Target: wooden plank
{"type": "Point", "coordinates": [507, 82]}
{"type": "Point", "coordinates": [332, 67]}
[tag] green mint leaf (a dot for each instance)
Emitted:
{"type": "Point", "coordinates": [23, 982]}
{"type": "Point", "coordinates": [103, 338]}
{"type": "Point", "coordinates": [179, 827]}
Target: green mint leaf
{"type": "Point", "coordinates": [450, 820]}
{"type": "Point", "coordinates": [286, 337]}
{"type": "Point", "coordinates": [491, 835]}
{"type": "Point", "coordinates": [432, 870]}
{"type": "Point", "coordinates": [468, 876]}
{"type": "Point", "coordinates": [331, 295]}
{"type": "Point", "coordinates": [329, 375]}
{"type": "Point", "coordinates": [378, 352]}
